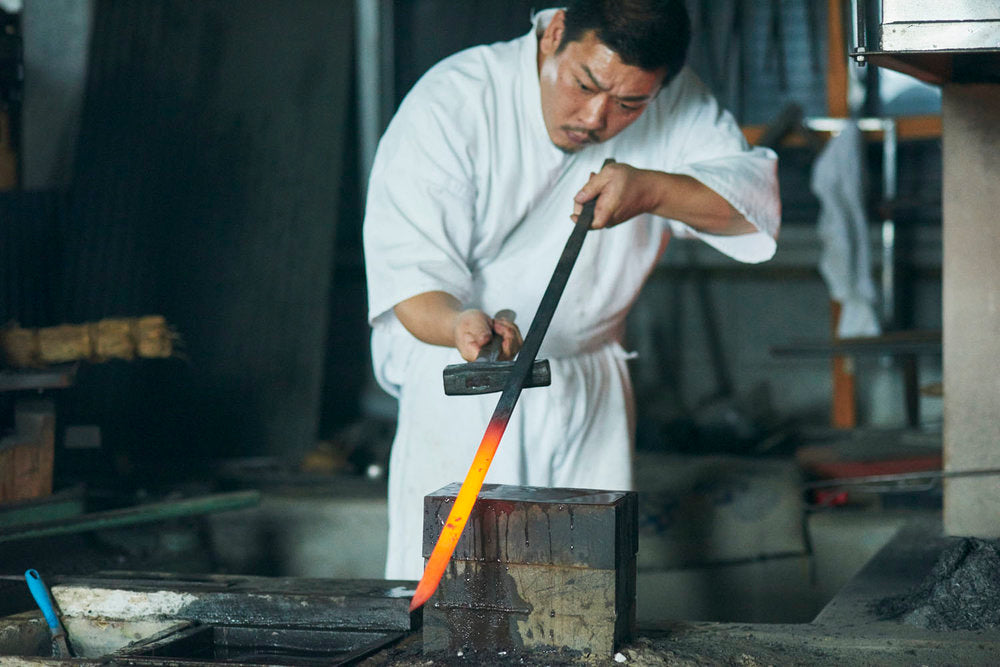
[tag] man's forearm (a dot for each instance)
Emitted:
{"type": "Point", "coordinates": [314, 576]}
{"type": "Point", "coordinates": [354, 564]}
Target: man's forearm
{"type": "Point", "coordinates": [681, 197]}
{"type": "Point", "coordinates": [623, 192]}
{"type": "Point", "coordinates": [430, 317]}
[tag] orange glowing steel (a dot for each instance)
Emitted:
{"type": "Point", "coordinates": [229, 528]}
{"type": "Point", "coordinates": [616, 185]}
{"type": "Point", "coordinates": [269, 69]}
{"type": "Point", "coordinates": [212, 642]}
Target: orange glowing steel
{"type": "Point", "coordinates": [459, 513]}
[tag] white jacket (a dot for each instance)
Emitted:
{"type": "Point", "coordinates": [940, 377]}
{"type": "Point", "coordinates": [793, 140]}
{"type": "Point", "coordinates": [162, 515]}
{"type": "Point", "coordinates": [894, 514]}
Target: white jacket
{"type": "Point", "coordinates": [469, 196]}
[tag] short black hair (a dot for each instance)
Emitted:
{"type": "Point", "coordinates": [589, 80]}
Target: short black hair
{"type": "Point", "coordinates": [649, 34]}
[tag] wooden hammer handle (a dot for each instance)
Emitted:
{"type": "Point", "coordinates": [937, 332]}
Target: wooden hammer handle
{"type": "Point", "coordinates": [491, 351]}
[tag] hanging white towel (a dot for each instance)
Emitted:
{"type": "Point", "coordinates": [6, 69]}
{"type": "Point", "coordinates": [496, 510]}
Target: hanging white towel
{"type": "Point", "coordinates": [838, 180]}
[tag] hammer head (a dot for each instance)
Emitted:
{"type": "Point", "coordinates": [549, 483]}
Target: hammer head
{"type": "Point", "coordinates": [484, 377]}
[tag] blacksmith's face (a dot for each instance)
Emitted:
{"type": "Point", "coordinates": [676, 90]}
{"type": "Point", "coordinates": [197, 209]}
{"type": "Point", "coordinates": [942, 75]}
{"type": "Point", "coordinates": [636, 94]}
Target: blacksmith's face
{"type": "Point", "coordinates": [588, 94]}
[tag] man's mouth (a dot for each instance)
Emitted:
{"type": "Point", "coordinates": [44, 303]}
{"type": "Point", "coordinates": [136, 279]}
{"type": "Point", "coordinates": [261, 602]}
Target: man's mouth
{"type": "Point", "coordinates": [580, 137]}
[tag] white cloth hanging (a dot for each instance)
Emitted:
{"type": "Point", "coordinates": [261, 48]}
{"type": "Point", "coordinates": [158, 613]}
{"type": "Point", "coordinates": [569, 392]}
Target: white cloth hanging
{"type": "Point", "coordinates": [838, 180]}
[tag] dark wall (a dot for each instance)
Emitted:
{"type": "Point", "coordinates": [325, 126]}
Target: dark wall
{"type": "Point", "coordinates": [426, 31]}
{"type": "Point", "coordinates": [756, 56]}
{"type": "Point", "coordinates": [216, 184]}
{"type": "Point", "coordinates": [206, 189]}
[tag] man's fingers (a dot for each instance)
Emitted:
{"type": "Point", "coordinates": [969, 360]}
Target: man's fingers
{"type": "Point", "coordinates": [470, 344]}
{"type": "Point", "coordinates": [511, 336]}
{"type": "Point", "coordinates": [589, 191]}
{"type": "Point", "coordinates": [600, 186]}
{"type": "Point", "coordinates": [473, 330]}
{"type": "Point", "coordinates": [602, 214]}
{"type": "Point", "coordinates": [510, 347]}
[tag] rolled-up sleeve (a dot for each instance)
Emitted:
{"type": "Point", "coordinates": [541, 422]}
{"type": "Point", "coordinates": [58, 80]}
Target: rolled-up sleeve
{"type": "Point", "coordinates": [419, 214]}
{"type": "Point", "coordinates": [716, 154]}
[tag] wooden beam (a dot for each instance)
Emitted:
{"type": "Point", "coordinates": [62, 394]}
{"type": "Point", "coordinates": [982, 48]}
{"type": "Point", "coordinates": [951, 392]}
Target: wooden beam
{"type": "Point", "coordinates": [836, 60]}
{"type": "Point", "coordinates": [844, 409]}
{"type": "Point", "coordinates": [908, 128]}
{"type": "Point", "coordinates": [918, 127]}
{"type": "Point", "coordinates": [26, 456]}
{"type": "Point", "coordinates": [8, 158]}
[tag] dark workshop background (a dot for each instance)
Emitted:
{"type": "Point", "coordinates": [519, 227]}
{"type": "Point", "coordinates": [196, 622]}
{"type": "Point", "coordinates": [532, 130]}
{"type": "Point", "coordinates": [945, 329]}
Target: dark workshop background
{"type": "Point", "coordinates": [210, 175]}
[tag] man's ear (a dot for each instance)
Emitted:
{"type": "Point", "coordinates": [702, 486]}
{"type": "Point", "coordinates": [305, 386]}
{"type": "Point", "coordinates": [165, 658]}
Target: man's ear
{"type": "Point", "coordinates": [553, 34]}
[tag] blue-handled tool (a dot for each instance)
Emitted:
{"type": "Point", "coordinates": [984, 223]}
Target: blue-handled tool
{"type": "Point", "coordinates": [39, 591]}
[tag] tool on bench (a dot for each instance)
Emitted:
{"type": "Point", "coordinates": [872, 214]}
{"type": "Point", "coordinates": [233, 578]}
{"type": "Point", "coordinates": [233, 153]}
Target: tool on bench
{"type": "Point", "coordinates": [523, 364]}
{"type": "Point", "coordinates": [39, 591]}
{"type": "Point", "coordinates": [486, 374]}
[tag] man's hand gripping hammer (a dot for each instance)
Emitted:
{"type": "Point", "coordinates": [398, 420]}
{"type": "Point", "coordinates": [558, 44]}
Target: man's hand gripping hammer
{"type": "Point", "coordinates": [486, 375]}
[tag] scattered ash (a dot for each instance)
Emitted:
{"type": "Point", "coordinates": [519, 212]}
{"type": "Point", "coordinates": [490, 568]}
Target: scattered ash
{"type": "Point", "coordinates": [962, 592]}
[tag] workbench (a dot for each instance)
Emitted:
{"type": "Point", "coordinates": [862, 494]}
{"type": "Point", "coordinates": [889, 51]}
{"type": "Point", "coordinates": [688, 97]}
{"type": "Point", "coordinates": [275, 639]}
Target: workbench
{"type": "Point", "coordinates": [195, 620]}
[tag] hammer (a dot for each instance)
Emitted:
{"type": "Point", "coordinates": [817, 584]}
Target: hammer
{"type": "Point", "coordinates": [486, 375]}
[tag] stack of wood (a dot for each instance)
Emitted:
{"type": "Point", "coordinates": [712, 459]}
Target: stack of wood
{"type": "Point", "coordinates": [27, 454]}
{"type": "Point", "coordinates": [112, 338]}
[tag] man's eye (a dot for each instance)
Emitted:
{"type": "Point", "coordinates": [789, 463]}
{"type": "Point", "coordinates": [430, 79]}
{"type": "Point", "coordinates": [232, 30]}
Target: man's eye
{"type": "Point", "coordinates": [628, 107]}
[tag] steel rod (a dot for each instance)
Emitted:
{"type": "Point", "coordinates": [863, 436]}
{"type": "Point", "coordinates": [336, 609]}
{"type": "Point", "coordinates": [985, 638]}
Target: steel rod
{"type": "Point", "coordinates": [459, 514]}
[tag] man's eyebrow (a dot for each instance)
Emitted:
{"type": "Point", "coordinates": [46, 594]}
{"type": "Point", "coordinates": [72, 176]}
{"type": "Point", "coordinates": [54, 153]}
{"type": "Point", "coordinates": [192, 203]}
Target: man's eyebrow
{"type": "Point", "coordinates": [593, 79]}
{"type": "Point", "coordinates": [623, 98]}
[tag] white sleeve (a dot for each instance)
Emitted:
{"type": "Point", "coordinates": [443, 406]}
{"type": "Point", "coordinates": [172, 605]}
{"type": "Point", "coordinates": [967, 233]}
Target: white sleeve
{"type": "Point", "coordinates": [716, 154]}
{"type": "Point", "coordinates": [420, 211]}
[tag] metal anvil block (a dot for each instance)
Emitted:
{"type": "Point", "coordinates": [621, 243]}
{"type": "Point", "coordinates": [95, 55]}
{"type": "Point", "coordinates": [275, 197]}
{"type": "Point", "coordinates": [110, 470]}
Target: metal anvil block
{"type": "Point", "coordinates": [535, 569]}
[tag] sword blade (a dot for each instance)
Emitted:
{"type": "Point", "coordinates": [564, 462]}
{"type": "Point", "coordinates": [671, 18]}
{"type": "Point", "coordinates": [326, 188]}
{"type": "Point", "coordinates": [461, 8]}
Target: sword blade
{"type": "Point", "coordinates": [473, 483]}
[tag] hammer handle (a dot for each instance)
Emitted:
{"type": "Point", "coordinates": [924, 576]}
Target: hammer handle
{"type": "Point", "coordinates": [491, 351]}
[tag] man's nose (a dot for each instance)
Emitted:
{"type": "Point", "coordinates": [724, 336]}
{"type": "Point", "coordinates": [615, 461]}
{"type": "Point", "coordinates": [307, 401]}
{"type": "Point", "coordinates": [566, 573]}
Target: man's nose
{"type": "Point", "coordinates": [594, 115]}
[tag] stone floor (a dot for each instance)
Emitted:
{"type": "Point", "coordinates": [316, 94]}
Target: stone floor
{"type": "Point", "coordinates": [846, 632]}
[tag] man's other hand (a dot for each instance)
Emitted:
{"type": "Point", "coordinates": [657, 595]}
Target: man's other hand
{"type": "Point", "coordinates": [622, 192]}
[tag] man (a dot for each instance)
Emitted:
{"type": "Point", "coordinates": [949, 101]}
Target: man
{"type": "Point", "coordinates": [471, 193]}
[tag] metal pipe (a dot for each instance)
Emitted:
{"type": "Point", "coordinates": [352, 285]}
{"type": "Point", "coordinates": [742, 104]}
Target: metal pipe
{"type": "Point", "coordinates": [374, 60]}
{"type": "Point", "coordinates": [888, 224]}
{"type": "Point", "coordinates": [895, 478]}
{"type": "Point", "coordinates": [835, 125]}
{"type": "Point", "coordinates": [859, 40]}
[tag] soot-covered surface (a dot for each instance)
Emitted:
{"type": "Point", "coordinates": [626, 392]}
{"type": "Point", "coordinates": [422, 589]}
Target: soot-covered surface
{"type": "Point", "coordinates": [682, 644]}
{"type": "Point", "coordinates": [962, 591]}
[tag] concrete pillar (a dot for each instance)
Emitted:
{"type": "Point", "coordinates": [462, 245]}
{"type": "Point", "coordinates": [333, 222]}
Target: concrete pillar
{"type": "Point", "coordinates": [971, 284]}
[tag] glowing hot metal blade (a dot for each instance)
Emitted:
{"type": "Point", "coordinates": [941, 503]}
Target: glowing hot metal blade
{"type": "Point", "coordinates": [452, 530]}
{"type": "Point", "coordinates": [460, 511]}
